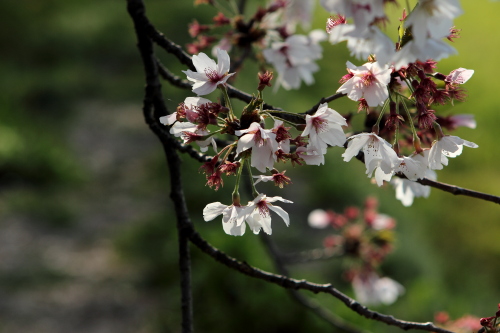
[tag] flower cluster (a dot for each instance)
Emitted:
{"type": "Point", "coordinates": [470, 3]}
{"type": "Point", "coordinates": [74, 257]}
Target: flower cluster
{"type": "Point", "coordinates": [364, 238]}
{"type": "Point", "coordinates": [409, 95]}
{"type": "Point", "coordinates": [421, 37]}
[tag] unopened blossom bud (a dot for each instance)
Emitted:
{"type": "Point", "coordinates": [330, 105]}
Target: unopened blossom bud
{"type": "Point", "coordinates": [220, 19]}
{"type": "Point", "coordinates": [265, 80]}
{"type": "Point", "coordinates": [403, 17]}
{"type": "Point", "coordinates": [195, 28]}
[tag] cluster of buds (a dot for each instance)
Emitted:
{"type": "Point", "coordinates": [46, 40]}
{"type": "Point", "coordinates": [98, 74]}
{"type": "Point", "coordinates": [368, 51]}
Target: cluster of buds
{"type": "Point", "coordinates": [364, 238]}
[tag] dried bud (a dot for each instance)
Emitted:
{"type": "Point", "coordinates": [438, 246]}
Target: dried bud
{"type": "Point", "coordinates": [265, 80]}
{"type": "Point", "coordinates": [221, 20]}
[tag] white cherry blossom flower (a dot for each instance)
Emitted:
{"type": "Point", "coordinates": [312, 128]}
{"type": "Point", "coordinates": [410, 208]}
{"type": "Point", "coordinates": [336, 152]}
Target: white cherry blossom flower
{"type": "Point", "coordinates": [432, 19]}
{"type": "Point", "coordinates": [190, 104]}
{"type": "Point", "coordinates": [364, 12]}
{"type": "Point", "coordinates": [447, 146]}
{"type": "Point", "coordinates": [294, 59]}
{"type": "Point", "coordinates": [434, 49]}
{"type": "Point", "coordinates": [310, 155]}
{"type": "Point", "coordinates": [407, 190]}
{"type": "Point", "coordinates": [378, 154]}
{"type": "Point", "coordinates": [374, 290]}
{"type": "Point", "coordinates": [369, 82]}
{"type": "Point", "coordinates": [232, 217]}
{"type": "Point", "coordinates": [263, 144]}
{"type": "Point", "coordinates": [208, 74]}
{"type": "Point", "coordinates": [325, 128]}
{"type": "Point", "coordinates": [258, 216]}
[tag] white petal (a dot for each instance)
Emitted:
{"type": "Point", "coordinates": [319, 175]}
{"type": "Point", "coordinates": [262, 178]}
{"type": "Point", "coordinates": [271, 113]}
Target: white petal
{"type": "Point", "coordinates": [212, 210]}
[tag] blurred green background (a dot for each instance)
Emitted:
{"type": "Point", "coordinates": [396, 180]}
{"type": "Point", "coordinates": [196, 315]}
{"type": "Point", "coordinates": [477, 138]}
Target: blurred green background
{"type": "Point", "coordinates": [87, 232]}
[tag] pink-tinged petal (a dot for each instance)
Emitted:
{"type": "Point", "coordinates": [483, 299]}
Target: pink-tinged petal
{"type": "Point", "coordinates": [281, 212]}
{"type": "Point", "coordinates": [223, 61]}
{"type": "Point", "coordinates": [212, 210]}
{"type": "Point", "coordinates": [202, 61]}
{"type": "Point", "coordinates": [460, 75]}
{"type": "Point", "coordinates": [262, 158]}
{"type": "Point", "coordinates": [169, 120]}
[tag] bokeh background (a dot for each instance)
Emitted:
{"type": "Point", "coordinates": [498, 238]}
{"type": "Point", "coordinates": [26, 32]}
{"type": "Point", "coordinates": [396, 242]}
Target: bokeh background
{"type": "Point", "coordinates": [87, 232]}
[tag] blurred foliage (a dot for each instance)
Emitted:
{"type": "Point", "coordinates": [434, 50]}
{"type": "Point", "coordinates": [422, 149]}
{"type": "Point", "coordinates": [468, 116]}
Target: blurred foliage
{"type": "Point", "coordinates": [63, 54]}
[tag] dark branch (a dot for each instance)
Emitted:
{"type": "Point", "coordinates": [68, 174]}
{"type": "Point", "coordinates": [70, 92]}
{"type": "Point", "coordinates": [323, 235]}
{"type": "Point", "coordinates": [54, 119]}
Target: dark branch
{"type": "Point", "coordinates": [154, 107]}
{"type": "Point", "coordinates": [459, 190]}
{"type": "Point", "coordinates": [309, 303]}
{"type": "Point", "coordinates": [294, 284]}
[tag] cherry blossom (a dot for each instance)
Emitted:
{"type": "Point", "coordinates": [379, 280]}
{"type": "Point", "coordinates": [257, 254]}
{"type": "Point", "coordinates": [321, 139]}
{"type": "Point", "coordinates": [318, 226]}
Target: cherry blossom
{"type": "Point", "coordinates": [208, 74]}
{"type": "Point", "coordinates": [447, 146]}
{"type": "Point", "coordinates": [407, 190]}
{"type": "Point", "coordinates": [435, 49]}
{"type": "Point", "coordinates": [258, 216]}
{"type": "Point", "coordinates": [369, 82]}
{"type": "Point", "coordinates": [432, 19]}
{"type": "Point", "coordinates": [378, 154]}
{"type": "Point", "coordinates": [310, 155]}
{"type": "Point", "coordinates": [232, 217]}
{"type": "Point", "coordinates": [294, 59]}
{"type": "Point", "coordinates": [325, 128]}
{"type": "Point", "coordinates": [263, 144]}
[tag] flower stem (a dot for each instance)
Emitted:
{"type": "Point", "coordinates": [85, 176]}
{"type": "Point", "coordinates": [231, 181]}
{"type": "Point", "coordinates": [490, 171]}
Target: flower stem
{"type": "Point", "coordinates": [236, 193]}
{"type": "Point", "coordinates": [416, 139]}
{"type": "Point", "coordinates": [231, 115]}
{"type": "Point", "coordinates": [376, 127]}
{"type": "Point", "coordinates": [255, 193]}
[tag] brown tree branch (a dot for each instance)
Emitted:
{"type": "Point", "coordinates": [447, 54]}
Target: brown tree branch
{"type": "Point", "coordinates": [154, 106]}
{"type": "Point", "coordinates": [309, 303]}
